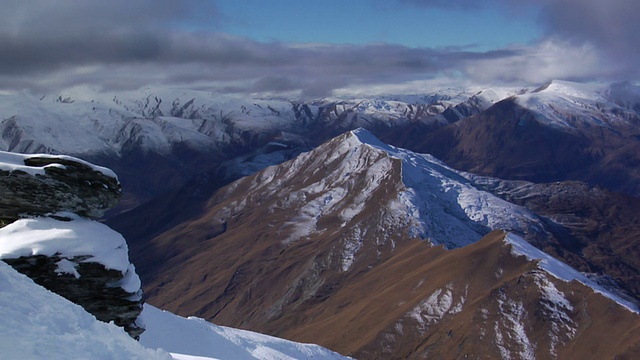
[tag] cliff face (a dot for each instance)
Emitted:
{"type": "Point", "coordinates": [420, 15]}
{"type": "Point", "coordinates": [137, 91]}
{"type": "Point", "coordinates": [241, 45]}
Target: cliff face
{"type": "Point", "coordinates": [47, 204]}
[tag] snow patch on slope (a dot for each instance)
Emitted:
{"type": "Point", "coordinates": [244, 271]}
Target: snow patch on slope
{"type": "Point", "coordinates": [557, 309]}
{"type": "Point", "coordinates": [569, 105]}
{"type": "Point", "coordinates": [436, 307]}
{"type": "Point", "coordinates": [514, 316]}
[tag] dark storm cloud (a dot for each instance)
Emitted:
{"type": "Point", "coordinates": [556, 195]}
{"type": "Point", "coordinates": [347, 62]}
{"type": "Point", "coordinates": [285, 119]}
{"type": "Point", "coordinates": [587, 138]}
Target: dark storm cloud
{"type": "Point", "coordinates": [25, 55]}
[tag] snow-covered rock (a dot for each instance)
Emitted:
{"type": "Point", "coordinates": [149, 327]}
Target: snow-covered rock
{"type": "Point", "coordinates": [40, 184]}
{"type": "Point", "coordinates": [47, 233]}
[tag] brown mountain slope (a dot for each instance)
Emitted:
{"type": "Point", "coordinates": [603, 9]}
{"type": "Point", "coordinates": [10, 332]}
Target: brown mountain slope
{"type": "Point", "coordinates": [318, 250]}
{"type": "Point", "coordinates": [478, 302]}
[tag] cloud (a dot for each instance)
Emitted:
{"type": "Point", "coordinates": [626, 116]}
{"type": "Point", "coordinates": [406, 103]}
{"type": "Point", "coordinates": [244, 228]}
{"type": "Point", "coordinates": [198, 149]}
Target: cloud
{"type": "Point", "coordinates": [609, 28]}
{"type": "Point", "coordinates": [546, 60]}
{"type": "Point", "coordinates": [612, 26]}
{"type": "Point", "coordinates": [122, 44]}
{"type": "Point", "coordinates": [43, 18]}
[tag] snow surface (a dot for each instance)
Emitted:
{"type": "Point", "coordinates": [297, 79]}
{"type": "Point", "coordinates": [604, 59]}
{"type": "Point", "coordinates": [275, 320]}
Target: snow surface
{"type": "Point", "coordinates": [38, 324]}
{"type": "Point", "coordinates": [80, 236]}
{"type": "Point", "coordinates": [560, 270]}
{"type": "Point", "coordinates": [199, 338]}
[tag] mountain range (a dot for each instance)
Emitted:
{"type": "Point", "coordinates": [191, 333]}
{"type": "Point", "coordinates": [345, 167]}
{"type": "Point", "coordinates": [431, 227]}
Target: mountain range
{"type": "Point", "coordinates": [326, 221]}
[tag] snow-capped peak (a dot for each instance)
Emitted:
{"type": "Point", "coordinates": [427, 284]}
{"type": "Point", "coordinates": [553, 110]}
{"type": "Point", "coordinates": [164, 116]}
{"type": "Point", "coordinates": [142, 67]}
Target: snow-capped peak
{"type": "Point", "coordinates": [587, 91]}
{"type": "Point", "coordinates": [572, 106]}
{"type": "Point", "coordinates": [445, 205]}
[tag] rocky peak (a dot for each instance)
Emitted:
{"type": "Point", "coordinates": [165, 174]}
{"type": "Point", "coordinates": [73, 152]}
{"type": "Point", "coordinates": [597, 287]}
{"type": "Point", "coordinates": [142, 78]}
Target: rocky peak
{"type": "Point", "coordinates": [47, 207]}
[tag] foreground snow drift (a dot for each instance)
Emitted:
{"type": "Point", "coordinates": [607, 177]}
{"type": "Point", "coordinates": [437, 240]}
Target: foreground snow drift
{"type": "Point", "coordinates": [38, 324]}
{"type": "Point", "coordinates": [197, 337]}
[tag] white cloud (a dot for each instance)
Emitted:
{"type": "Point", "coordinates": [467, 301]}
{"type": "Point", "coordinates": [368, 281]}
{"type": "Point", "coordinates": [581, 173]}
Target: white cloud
{"type": "Point", "coordinates": [547, 60]}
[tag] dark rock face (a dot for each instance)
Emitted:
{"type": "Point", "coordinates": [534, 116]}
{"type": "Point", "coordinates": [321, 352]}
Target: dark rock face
{"type": "Point", "coordinates": [96, 288]}
{"type": "Point", "coordinates": [73, 186]}
{"type": "Point", "coordinates": [77, 187]}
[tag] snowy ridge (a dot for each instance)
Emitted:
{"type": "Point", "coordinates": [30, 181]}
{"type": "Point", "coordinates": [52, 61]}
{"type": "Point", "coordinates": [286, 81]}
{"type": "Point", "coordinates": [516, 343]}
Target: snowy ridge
{"type": "Point", "coordinates": [560, 270]}
{"type": "Point", "coordinates": [339, 179]}
{"type": "Point", "coordinates": [459, 214]}
{"type": "Point", "coordinates": [155, 119]}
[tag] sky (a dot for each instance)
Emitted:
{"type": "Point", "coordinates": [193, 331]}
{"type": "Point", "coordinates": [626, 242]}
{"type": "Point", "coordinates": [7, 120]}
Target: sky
{"type": "Point", "coordinates": [310, 49]}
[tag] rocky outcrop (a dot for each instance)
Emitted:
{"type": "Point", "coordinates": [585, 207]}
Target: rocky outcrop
{"type": "Point", "coordinates": [46, 206]}
{"type": "Point", "coordinates": [92, 286]}
{"type": "Point", "coordinates": [46, 184]}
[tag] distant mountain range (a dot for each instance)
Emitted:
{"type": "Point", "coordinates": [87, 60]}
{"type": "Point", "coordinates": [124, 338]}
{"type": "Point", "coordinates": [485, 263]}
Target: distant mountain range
{"type": "Point", "coordinates": [325, 221]}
